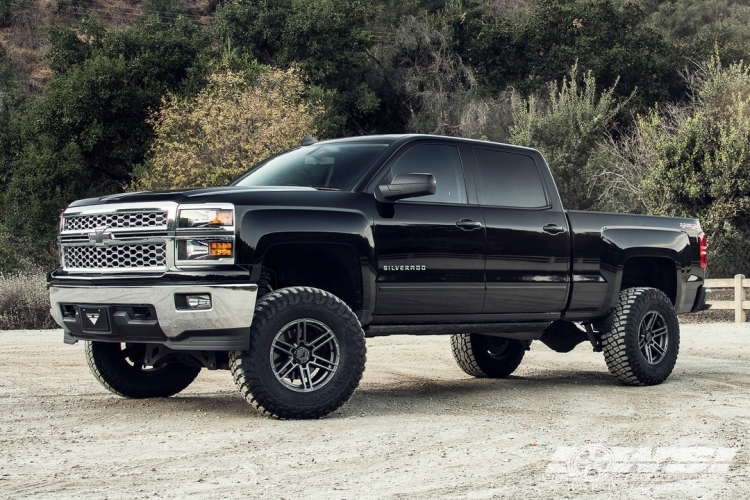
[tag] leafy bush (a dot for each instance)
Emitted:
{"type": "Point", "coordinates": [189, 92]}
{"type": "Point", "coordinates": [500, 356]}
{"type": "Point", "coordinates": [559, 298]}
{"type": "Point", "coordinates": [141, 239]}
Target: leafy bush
{"type": "Point", "coordinates": [694, 161]}
{"type": "Point", "coordinates": [24, 301]}
{"type": "Point", "coordinates": [703, 163]}
{"type": "Point", "coordinates": [229, 126]}
{"type": "Point", "coordinates": [567, 128]}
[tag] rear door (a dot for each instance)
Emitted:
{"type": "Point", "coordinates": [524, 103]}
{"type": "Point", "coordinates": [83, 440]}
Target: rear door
{"type": "Point", "coordinates": [430, 249]}
{"type": "Point", "coordinates": [528, 249]}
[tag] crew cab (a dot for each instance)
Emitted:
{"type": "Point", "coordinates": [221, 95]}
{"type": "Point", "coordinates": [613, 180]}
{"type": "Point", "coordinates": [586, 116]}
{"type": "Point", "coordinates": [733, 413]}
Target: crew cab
{"type": "Point", "coordinates": [280, 276]}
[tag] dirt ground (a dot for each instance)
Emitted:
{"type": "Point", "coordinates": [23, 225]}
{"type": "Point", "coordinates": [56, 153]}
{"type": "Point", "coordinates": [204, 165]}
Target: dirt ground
{"type": "Point", "coordinates": [418, 427]}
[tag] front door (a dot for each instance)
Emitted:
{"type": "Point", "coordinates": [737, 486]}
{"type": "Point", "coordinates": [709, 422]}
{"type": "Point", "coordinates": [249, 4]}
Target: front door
{"type": "Point", "coordinates": [430, 249]}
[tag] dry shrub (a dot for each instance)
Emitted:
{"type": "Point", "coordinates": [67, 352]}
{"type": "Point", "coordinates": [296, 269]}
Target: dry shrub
{"type": "Point", "coordinates": [24, 301]}
{"type": "Point", "coordinates": [227, 128]}
{"type": "Point", "coordinates": [487, 118]}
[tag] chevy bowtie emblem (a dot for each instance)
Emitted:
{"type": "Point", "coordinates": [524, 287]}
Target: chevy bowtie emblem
{"type": "Point", "coordinates": [99, 236]}
{"type": "Point", "coordinates": [93, 317]}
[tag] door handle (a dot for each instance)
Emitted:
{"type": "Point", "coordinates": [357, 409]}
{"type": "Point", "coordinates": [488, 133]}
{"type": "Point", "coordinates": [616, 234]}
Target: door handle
{"type": "Point", "coordinates": [468, 224]}
{"type": "Point", "coordinates": [553, 229]}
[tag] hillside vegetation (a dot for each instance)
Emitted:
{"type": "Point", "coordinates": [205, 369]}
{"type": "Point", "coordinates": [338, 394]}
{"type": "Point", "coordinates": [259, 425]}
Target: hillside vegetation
{"type": "Point", "coordinates": [639, 106]}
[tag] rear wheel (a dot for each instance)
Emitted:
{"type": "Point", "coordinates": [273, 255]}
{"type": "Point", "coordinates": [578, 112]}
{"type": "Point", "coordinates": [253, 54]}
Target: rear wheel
{"type": "Point", "coordinates": [120, 369]}
{"type": "Point", "coordinates": [642, 337]}
{"type": "Point", "coordinates": [486, 356]}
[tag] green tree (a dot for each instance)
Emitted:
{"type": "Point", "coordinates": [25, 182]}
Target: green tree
{"type": "Point", "coordinates": [428, 81]}
{"type": "Point", "coordinates": [610, 39]}
{"type": "Point", "coordinates": [328, 39]}
{"type": "Point", "coordinates": [82, 137]}
{"type": "Point", "coordinates": [700, 27]}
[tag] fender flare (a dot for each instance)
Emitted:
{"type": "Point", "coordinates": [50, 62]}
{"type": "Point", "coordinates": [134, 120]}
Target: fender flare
{"type": "Point", "coordinates": [621, 244]}
{"type": "Point", "coordinates": [261, 228]}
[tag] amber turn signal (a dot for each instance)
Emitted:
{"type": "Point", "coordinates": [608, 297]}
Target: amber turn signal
{"type": "Point", "coordinates": [220, 249]}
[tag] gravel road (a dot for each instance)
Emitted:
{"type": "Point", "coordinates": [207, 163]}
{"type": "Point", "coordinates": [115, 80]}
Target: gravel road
{"type": "Point", "coordinates": [418, 427]}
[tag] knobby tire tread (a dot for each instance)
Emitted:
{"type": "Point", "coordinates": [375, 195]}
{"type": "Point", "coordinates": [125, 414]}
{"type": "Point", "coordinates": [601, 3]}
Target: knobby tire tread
{"type": "Point", "coordinates": [245, 372]}
{"type": "Point", "coordinates": [619, 343]}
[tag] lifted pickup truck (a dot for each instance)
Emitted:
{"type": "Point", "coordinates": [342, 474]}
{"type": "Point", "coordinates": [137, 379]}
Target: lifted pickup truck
{"type": "Point", "coordinates": [280, 276]}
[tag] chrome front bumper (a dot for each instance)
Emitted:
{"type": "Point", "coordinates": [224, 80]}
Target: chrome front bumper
{"type": "Point", "coordinates": [232, 307]}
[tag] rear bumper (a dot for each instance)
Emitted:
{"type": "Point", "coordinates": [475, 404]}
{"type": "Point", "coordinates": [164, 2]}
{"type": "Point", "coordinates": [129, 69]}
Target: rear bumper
{"type": "Point", "coordinates": [700, 300]}
{"type": "Point", "coordinates": [153, 314]}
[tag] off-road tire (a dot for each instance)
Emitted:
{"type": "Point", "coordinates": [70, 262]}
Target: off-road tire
{"type": "Point", "coordinates": [257, 376]}
{"type": "Point", "coordinates": [108, 363]}
{"type": "Point", "coordinates": [485, 356]}
{"type": "Point", "coordinates": [620, 341]}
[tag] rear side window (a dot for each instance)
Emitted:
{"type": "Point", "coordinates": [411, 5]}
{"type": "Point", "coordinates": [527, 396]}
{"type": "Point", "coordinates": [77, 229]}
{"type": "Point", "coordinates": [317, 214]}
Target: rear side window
{"type": "Point", "coordinates": [510, 180]}
{"type": "Point", "coordinates": [443, 162]}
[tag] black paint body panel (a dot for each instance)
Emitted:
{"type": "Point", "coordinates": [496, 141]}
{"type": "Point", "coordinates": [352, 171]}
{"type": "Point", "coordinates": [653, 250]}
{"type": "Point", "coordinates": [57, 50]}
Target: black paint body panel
{"type": "Point", "coordinates": [416, 266]}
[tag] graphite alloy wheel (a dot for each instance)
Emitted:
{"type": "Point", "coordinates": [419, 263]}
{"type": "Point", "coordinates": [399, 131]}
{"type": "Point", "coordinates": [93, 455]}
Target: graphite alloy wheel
{"type": "Point", "coordinates": [486, 356]}
{"type": "Point", "coordinates": [642, 338]}
{"type": "Point", "coordinates": [306, 356]}
{"type": "Point", "coordinates": [120, 369]}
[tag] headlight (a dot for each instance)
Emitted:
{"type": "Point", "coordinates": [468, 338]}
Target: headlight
{"type": "Point", "coordinates": [205, 235]}
{"type": "Point", "coordinates": [204, 249]}
{"type": "Point", "coordinates": [196, 218]}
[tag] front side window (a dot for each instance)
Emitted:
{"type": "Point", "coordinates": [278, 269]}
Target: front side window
{"type": "Point", "coordinates": [443, 162]}
{"type": "Point", "coordinates": [510, 180]}
{"type": "Point", "coordinates": [326, 166]}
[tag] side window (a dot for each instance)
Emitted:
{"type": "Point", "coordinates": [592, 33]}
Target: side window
{"type": "Point", "coordinates": [443, 162]}
{"type": "Point", "coordinates": [510, 180]}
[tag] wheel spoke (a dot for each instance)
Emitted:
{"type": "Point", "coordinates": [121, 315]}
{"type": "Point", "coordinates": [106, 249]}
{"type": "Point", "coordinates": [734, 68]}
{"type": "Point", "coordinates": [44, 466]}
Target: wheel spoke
{"type": "Point", "coordinates": [651, 322]}
{"type": "Point", "coordinates": [659, 331]}
{"type": "Point", "coordinates": [284, 374]}
{"type": "Point", "coordinates": [305, 377]}
{"type": "Point", "coordinates": [321, 341]}
{"type": "Point", "coordinates": [279, 342]}
{"type": "Point", "coordinates": [659, 349]}
{"type": "Point", "coordinates": [649, 354]}
{"type": "Point", "coordinates": [331, 367]}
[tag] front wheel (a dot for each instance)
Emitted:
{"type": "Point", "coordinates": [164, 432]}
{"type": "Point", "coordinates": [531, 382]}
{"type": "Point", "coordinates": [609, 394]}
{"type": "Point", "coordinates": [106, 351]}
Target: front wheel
{"type": "Point", "coordinates": [642, 338]}
{"type": "Point", "coordinates": [306, 355]}
{"type": "Point", "coordinates": [487, 356]}
{"type": "Point", "coordinates": [121, 370]}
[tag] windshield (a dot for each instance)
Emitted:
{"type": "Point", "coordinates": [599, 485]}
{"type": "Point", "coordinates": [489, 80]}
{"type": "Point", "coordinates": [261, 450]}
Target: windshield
{"type": "Point", "coordinates": [321, 166]}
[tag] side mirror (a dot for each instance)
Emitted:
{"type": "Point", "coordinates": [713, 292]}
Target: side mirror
{"type": "Point", "coordinates": [408, 186]}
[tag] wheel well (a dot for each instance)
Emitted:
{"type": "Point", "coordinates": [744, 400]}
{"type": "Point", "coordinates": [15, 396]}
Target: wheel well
{"type": "Point", "coordinates": [330, 267]}
{"type": "Point", "coordinates": [654, 272]}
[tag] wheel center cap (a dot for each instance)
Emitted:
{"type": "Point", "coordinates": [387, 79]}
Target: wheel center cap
{"type": "Point", "coordinates": [302, 355]}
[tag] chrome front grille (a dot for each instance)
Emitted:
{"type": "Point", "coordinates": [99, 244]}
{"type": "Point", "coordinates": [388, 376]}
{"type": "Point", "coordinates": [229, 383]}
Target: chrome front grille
{"type": "Point", "coordinates": [116, 256]}
{"type": "Point", "coordinates": [119, 238]}
{"type": "Point", "coordinates": [145, 219]}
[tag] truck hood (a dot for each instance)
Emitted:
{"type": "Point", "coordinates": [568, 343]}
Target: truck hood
{"type": "Point", "coordinates": [199, 195]}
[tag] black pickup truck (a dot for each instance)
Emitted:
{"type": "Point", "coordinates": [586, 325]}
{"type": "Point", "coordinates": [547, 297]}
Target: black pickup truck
{"type": "Point", "coordinates": [280, 276]}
